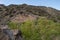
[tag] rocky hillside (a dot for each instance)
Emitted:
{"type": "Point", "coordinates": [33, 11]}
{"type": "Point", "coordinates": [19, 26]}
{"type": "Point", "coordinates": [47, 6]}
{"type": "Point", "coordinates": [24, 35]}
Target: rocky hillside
{"type": "Point", "coordinates": [21, 13]}
{"type": "Point", "coordinates": [24, 12]}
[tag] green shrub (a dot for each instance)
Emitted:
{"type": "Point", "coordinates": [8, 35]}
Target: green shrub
{"type": "Point", "coordinates": [12, 25]}
{"type": "Point", "coordinates": [40, 29]}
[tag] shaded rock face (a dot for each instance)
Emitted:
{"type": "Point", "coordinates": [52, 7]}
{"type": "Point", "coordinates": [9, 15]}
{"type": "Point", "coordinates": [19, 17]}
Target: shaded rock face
{"type": "Point", "coordinates": [3, 36]}
{"type": "Point", "coordinates": [17, 34]}
{"type": "Point", "coordinates": [7, 34]}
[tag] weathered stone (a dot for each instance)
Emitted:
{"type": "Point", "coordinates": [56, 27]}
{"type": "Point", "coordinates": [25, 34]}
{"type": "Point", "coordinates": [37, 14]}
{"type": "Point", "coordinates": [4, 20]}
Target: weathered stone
{"type": "Point", "coordinates": [8, 34]}
{"type": "Point", "coordinates": [18, 34]}
{"type": "Point", "coordinates": [3, 36]}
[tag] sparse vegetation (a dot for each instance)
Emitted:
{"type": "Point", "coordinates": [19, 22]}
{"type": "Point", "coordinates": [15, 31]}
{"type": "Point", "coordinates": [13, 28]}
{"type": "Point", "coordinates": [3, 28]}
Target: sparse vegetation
{"type": "Point", "coordinates": [39, 29]}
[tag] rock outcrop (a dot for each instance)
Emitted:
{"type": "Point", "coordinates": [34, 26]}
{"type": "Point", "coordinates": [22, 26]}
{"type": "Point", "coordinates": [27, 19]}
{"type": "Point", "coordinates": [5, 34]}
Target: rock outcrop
{"type": "Point", "coordinates": [3, 36]}
{"type": "Point", "coordinates": [8, 34]}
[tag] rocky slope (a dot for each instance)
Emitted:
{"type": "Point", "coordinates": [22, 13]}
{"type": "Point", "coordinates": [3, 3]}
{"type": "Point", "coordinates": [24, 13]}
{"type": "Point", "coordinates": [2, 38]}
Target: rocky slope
{"type": "Point", "coordinates": [21, 13]}
{"type": "Point", "coordinates": [11, 12]}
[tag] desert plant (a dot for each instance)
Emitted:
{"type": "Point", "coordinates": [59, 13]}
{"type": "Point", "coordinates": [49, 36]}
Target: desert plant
{"type": "Point", "coordinates": [40, 29]}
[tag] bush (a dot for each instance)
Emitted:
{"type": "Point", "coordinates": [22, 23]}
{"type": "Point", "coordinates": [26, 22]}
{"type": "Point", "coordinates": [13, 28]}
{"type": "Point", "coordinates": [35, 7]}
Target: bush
{"type": "Point", "coordinates": [40, 29]}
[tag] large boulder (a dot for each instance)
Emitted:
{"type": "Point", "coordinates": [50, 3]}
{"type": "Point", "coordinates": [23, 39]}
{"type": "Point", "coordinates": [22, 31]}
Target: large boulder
{"type": "Point", "coordinates": [8, 34]}
{"type": "Point", "coordinates": [3, 36]}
